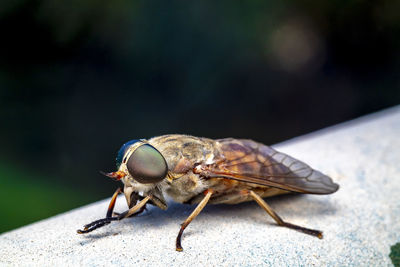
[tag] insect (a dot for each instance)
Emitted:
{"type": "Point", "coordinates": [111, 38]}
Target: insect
{"type": "Point", "coordinates": [203, 171]}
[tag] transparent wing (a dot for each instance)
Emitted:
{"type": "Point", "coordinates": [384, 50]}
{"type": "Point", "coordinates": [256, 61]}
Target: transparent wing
{"type": "Point", "coordinates": [252, 162]}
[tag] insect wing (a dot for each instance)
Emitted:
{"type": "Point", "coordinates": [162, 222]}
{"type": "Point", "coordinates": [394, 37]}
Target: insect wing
{"type": "Point", "coordinates": [251, 162]}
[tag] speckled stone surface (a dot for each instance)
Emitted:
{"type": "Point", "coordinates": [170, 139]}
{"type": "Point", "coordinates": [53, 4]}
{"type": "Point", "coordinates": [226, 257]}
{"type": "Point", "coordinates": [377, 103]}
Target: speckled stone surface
{"type": "Point", "coordinates": [360, 222]}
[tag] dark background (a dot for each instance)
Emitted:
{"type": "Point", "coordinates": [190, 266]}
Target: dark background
{"type": "Point", "coordinates": [79, 78]}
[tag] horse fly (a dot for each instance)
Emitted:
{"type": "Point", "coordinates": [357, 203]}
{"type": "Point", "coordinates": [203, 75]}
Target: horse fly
{"type": "Point", "coordinates": [203, 171]}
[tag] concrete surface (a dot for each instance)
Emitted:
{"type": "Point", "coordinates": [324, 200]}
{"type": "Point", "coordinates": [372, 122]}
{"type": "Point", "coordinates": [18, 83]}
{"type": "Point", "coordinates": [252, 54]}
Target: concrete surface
{"type": "Point", "coordinates": [360, 221]}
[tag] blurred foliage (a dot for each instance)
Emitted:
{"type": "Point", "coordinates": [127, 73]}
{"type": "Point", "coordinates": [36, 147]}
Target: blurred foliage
{"type": "Point", "coordinates": [79, 78]}
{"type": "Point", "coordinates": [395, 254]}
{"type": "Point", "coordinates": [25, 197]}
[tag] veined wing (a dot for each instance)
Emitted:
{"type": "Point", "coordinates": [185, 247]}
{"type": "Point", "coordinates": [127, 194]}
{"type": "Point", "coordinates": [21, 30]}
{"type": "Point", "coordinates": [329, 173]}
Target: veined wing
{"type": "Point", "coordinates": [252, 162]}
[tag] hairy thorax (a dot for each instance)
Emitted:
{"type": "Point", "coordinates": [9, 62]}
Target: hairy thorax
{"type": "Point", "coordinates": [182, 154]}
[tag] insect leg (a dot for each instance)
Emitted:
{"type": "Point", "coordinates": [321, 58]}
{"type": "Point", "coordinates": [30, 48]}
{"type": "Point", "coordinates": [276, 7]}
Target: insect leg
{"type": "Point", "coordinates": [108, 215]}
{"type": "Point", "coordinates": [194, 214]}
{"type": "Point", "coordinates": [133, 203]}
{"type": "Point", "coordinates": [278, 219]}
{"type": "Point", "coordinates": [142, 209]}
{"type": "Point", "coordinates": [99, 223]}
{"type": "Point", "coordinates": [112, 203]}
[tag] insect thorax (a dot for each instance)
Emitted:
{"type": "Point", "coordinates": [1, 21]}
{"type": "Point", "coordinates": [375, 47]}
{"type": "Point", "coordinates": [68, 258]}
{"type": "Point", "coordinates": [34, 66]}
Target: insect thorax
{"type": "Point", "coordinates": [182, 154]}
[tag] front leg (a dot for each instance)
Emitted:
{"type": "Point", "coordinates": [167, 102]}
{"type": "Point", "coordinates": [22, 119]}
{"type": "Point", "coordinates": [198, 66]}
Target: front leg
{"type": "Point", "coordinates": [135, 197]}
{"type": "Point", "coordinates": [112, 203]}
{"type": "Point", "coordinates": [109, 213]}
{"type": "Point", "coordinates": [100, 223]}
{"type": "Point", "coordinates": [142, 209]}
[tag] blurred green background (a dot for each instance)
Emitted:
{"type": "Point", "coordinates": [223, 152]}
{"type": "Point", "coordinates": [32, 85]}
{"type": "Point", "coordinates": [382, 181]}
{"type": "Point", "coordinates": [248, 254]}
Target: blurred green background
{"type": "Point", "coordinates": [80, 78]}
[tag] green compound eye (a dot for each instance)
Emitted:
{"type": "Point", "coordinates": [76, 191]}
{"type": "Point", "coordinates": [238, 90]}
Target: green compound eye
{"type": "Point", "coordinates": [147, 165]}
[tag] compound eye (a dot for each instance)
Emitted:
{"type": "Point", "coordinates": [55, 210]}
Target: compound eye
{"type": "Point", "coordinates": [147, 165]}
{"type": "Point", "coordinates": [122, 151]}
